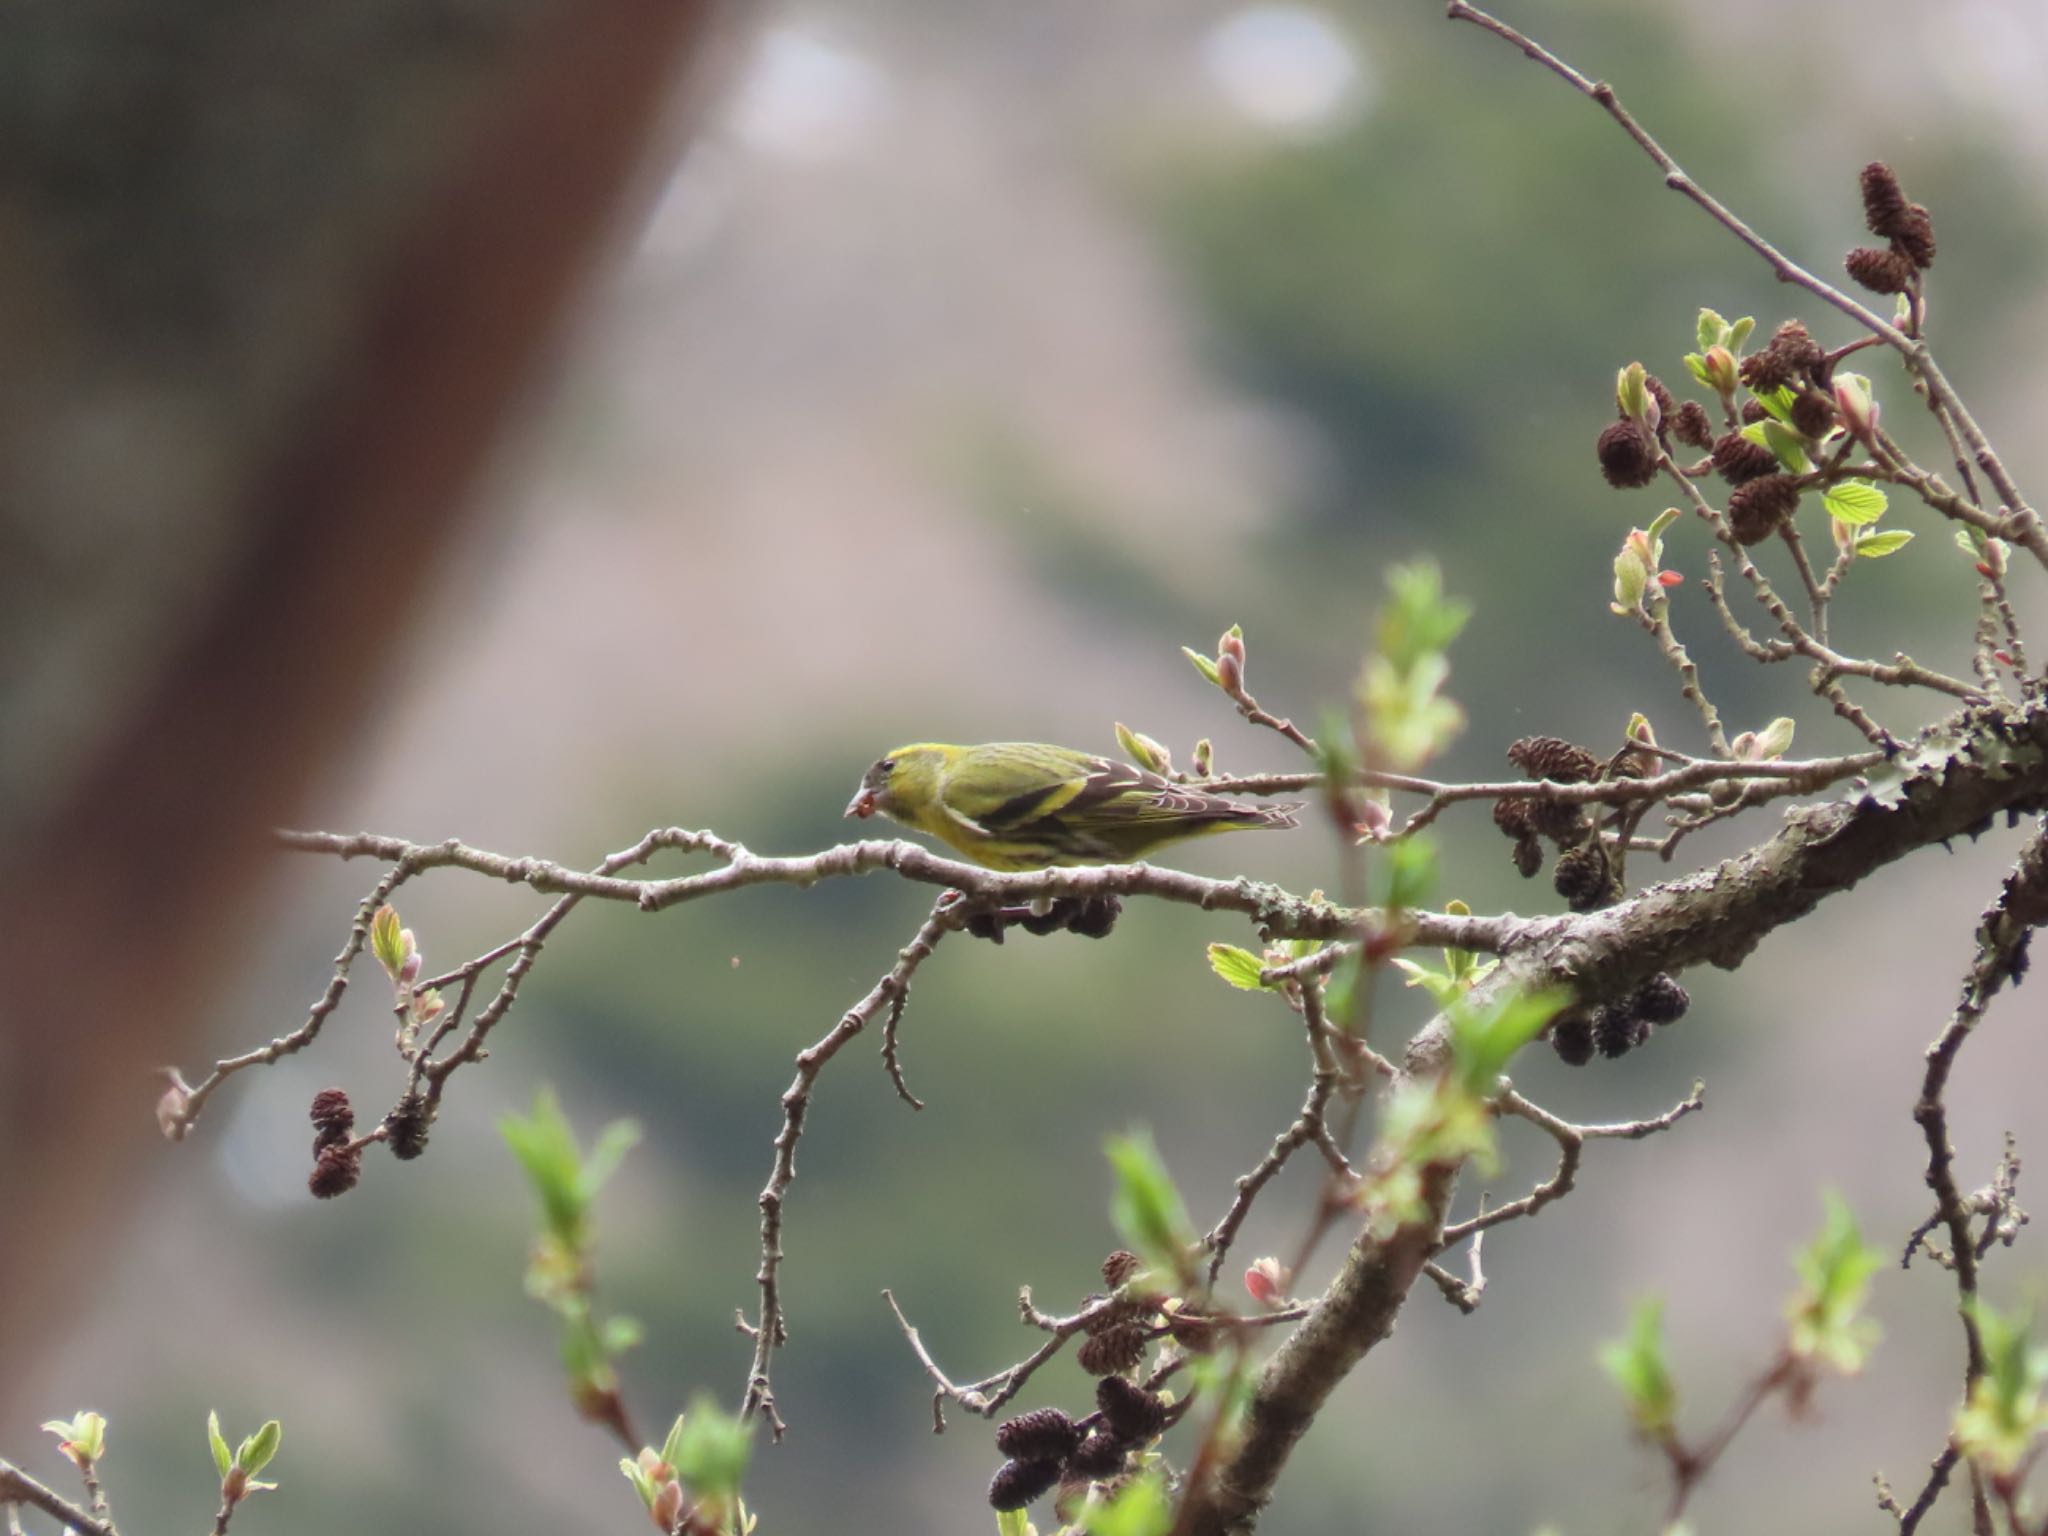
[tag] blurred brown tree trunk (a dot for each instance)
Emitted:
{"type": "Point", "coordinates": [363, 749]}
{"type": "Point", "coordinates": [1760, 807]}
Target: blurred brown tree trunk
{"type": "Point", "coordinates": [272, 280]}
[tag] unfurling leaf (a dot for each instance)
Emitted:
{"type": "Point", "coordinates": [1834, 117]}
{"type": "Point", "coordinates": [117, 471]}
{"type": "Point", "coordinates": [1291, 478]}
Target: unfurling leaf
{"type": "Point", "coordinates": [1239, 967]}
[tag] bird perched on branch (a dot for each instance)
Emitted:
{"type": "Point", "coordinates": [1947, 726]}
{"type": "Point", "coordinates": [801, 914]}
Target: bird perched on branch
{"type": "Point", "coordinates": [1022, 805]}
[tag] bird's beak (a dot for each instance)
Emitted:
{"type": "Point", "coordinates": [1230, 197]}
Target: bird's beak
{"type": "Point", "coordinates": [862, 804]}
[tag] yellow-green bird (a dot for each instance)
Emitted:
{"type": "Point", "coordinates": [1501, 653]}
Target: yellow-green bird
{"type": "Point", "coordinates": [1023, 805]}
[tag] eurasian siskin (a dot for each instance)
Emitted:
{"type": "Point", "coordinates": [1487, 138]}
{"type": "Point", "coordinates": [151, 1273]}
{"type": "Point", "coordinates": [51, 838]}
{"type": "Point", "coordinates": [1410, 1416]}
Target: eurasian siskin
{"type": "Point", "coordinates": [1022, 805]}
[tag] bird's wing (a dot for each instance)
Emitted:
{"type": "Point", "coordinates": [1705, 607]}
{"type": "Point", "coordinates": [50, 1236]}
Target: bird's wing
{"type": "Point", "coordinates": [1005, 785]}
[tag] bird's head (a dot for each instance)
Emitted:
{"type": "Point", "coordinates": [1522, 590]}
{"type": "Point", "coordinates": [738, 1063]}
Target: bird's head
{"type": "Point", "coordinates": [898, 784]}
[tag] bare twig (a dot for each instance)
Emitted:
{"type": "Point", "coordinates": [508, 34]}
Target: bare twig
{"type": "Point", "coordinates": [17, 1487]}
{"type": "Point", "coordinates": [772, 1331]}
{"type": "Point", "coordinates": [1570, 1139]}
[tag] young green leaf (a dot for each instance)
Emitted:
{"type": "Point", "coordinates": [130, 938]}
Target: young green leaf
{"type": "Point", "coordinates": [1239, 967]}
{"type": "Point", "coordinates": [256, 1452]}
{"type": "Point", "coordinates": [223, 1458]}
{"type": "Point", "coordinates": [1140, 1508]}
{"type": "Point", "coordinates": [1834, 1272]}
{"type": "Point", "coordinates": [2004, 1416]}
{"type": "Point", "coordinates": [1877, 545]}
{"type": "Point", "coordinates": [711, 1452]}
{"type": "Point", "coordinates": [1014, 1522]}
{"type": "Point", "coordinates": [1146, 1207]}
{"type": "Point", "coordinates": [1203, 665]}
{"type": "Point", "coordinates": [1637, 1364]}
{"type": "Point", "coordinates": [1855, 502]}
{"type": "Point", "coordinates": [1710, 331]}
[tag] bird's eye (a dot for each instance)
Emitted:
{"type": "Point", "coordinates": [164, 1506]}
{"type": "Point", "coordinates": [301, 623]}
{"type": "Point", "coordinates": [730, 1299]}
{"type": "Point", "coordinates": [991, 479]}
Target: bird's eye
{"type": "Point", "coordinates": [887, 765]}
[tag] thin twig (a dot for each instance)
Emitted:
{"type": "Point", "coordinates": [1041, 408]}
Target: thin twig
{"type": "Point", "coordinates": [17, 1487]}
{"type": "Point", "coordinates": [772, 1330]}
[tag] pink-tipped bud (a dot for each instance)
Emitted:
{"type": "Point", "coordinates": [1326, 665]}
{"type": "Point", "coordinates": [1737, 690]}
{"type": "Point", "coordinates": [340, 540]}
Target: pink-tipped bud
{"type": "Point", "coordinates": [1231, 643]}
{"type": "Point", "coordinates": [1267, 1281]}
{"type": "Point", "coordinates": [1859, 412]}
{"type": "Point", "coordinates": [409, 972]}
{"type": "Point", "coordinates": [666, 1506]}
{"type": "Point", "coordinates": [1993, 563]}
{"type": "Point", "coordinates": [234, 1487]}
{"type": "Point", "coordinates": [170, 1108]}
{"type": "Point", "coordinates": [1723, 372]}
{"type": "Point", "coordinates": [1230, 675]}
{"type": "Point", "coordinates": [1372, 818]}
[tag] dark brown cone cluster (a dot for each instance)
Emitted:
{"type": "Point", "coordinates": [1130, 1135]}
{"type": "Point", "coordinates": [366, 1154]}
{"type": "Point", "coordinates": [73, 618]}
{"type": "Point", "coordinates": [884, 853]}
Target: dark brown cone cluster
{"type": "Point", "coordinates": [1759, 508]}
{"type": "Point", "coordinates": [1615, 1029]}
{"type": "Point", "coordinates": [1554, 758]}
{"type": "Point", "coordinates": [1888, 215]}
{"type": "Point", "coordinates": [335, 1171]}
{"type": "Point", "coordinates": [1660, 1000]}
{"type": "Point", "coordinates": [1116, 1349]}
{"type": "Point", "coordinates": [1792, 352]}
{"type": "Point", "coordinates": [1017, 1483]}
{"type": "Point", "coordinates": [1739, 460]}
{"type": "Point", "coordinates": [1120, 1313]}
{"type": "Point", "coordinates": [333, 1118]}
{"type": "Point", "coordinates": [1813, 413]}
{"type": "Point", "coordinates": [1692, 426]}
{"type": "Point", "coordinates": [1571, 1036]}
{"type": "Point", "coordinates": [1119, 1267]}
{"type": "Point", "coordinates": [1090, 916]}
{"type": "Point", "coordinates": [1101, 1455]}
{"type": "Point", "coordinates": [1044, 1434]}
{"type": "Point", "coordinates": [1628, 455]}
{"type": "Point", "coordinates": [1045, 1447]}
{"type": "Point", "coordinates": [405, 1128]}
{"type": "Point", "coordinates": [1885, 271]}
{"type": "Point", "coordinates": [1131, 1412]}
{"type": "Point", "coordinates": [1583, 879]}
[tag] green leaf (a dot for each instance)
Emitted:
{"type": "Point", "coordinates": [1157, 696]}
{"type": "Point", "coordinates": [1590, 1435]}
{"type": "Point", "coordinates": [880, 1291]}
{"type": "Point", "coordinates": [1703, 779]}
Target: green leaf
{"type": "Point", "coordinates": [1878, 545]}
{"type": "Point", "coordinates": [1711, 330]}
{"type": "Point", "coordinates": [1788, 444]}
{"type": "Point", "coordinates": [1834, 1271]}
{"type": "Point", "coordinates": [637, 1476]}
{"type": "Point", "coordinates": [1484, 1038]}
{"type": "Point", "coordinates": [1696, 365]}
{"type": "Point", "coordinates": [712, 1450]}
{"type": "Point", "coordinates": [672, 1447]}
{"type": "Point", "coordinates": [256, 1451]}
{"type": "Point", "coordinates": [1855, 502]}
{"type": "Point", "coordinates": [1776, 402]}
{"type": "Point", "coordinates": [610, 1149]}
{"type": "Point", "coordinates": [1999, 1424]}
{"type": "Point", "coordinates": [1637, 1364]}
{"type": "Point", "coordinates": [1239, 967]}
{"type": "Point", "coordinates": [1014, 1522]}
{"type": "Point", "coordinates": [1203, 664]}
{"type": "Point", "coordinates": [1146, 1207]}
{"type": "Point", "coordinates": [1142, 750]}
{"type": "Point", "coordinates": [387, 940]}
{"type": "Point", "coordinates": [1442, 986]}
{"type": "Point", "coordinates": [1738, 333]}
{"type": "Point", "coordinates": [619, 1334]}
{"type": "Point", "coordinates": [1418, 619]}
{"type": "Point", "coordinates": [1140, 1508]}
{"type": "Point", "coordinates": [1410, 873]}
{"type": "Point", "coordinates": [223, 1458]}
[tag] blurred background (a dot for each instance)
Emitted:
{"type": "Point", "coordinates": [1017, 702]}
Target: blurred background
{"type": "Point", "coordinates": [950, 370]}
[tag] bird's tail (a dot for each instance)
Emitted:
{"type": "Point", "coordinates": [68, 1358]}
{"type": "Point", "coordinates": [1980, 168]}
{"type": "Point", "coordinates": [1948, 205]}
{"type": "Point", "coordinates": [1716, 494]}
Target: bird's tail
{"type": "Point", "coordinates": [1288, 815]}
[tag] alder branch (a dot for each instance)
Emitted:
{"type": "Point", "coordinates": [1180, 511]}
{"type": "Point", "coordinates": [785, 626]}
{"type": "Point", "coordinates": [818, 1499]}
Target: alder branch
{"type": "Point", "coordinates": [2019, 524]}
{"type": "Point", "coordinates": [17, 1487]}
{"type": "Point", "coordinates": [772, 1331]}
{"type": "Point", "coordinates": [2002, 939]}
{"type": "Point", "coordinates": [1570, 1139]}
{"type": "Point", "coordinates": [1996, 762]}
